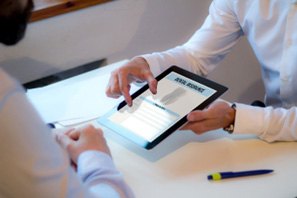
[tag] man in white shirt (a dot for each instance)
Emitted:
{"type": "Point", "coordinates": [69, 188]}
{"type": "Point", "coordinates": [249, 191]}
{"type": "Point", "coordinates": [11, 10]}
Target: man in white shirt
{"type": "Point", "coordinates": [32, 163]}
{"type": "Point", "coordinates": [270, 27]}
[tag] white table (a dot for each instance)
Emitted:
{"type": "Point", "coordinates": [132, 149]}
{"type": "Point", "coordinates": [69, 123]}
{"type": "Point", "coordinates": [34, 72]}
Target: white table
{"type": "Point", "coordinates": [178, 166]}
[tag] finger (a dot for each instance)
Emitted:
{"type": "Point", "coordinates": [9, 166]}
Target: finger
{"type": "Point", "coordinates": [74, 134]}
{"type": "Point", "coordinates": [56, 132]}
{"type": "Point", "coordinates": [68, 131]}
{"type": "Point", "coordinates": [112, 89]}
{"type": "Point", "coordinates": [202, 126]}
{"type": "Point", "coordinates": [127, 96]}
{"type": "Point", "coordinates": [152, 82]}
{"type": "Point", "coordinates": [88, 131]}
{"type": "Point", "coordinates": [125, 87]}
{"type": "Point", "coordinates": [196, 116]}
{"type": "Point", "coordinates": [64, 140]}
{"type": "Point", "coordinates": [197, 128]}
{"type": "Point", "coordinates": [190, 126]}
{"type": "Point", "coordinates": [185, 127]}
{"type": "Point", "coordinates": [88, 128]}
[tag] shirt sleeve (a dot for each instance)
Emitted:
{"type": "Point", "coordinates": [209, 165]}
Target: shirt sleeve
{"type": "Point", "coordinates": [32, 164]}
{"type": "Point", "coordinates": [100, 175]}
{"type": "Point", "coordinates": [269, 124]}
{"type": "Point", "coordinates": [207, 47]}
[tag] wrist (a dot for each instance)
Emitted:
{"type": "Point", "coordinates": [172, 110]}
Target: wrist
{"type": "Point", "coordinates": [141, 61]}
{"type": "Point", "coordinates": [231, 119]}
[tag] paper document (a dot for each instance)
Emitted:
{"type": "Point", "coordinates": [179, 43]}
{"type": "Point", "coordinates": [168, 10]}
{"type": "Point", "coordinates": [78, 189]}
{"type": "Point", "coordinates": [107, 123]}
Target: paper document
{"type": "Point", "coordinates": [75, 99]}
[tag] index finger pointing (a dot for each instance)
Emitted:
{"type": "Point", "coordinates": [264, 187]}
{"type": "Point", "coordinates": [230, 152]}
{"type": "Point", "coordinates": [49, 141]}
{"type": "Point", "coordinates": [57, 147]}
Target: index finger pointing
{"type": "Point", "coordinates": [153, 83]}
{"type": "Point", "coordinates": [125, 86]}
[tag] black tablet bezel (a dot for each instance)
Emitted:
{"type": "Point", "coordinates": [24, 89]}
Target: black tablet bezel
{"type": "Point", "coordinates": [220, 89]}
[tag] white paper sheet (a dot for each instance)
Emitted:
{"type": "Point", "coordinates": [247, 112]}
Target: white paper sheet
{"type": "Point", "coordinates": [75, 99]}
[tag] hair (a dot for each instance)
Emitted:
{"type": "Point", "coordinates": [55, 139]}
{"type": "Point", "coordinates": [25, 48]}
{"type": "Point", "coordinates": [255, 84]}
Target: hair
{"type": "Point", "coordinates": [14, 16]}
{"type": "Point", "coordinates": [7, 7]}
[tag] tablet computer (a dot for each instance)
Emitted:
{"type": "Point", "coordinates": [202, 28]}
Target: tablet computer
{"type": "Point", "coordinates": [152, 118]}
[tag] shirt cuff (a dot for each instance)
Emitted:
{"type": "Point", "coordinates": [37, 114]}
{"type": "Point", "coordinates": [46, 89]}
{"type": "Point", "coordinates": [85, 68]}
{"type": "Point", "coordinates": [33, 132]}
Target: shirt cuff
{"type": "Point", "coordinates": [153, 64]}
{"type": "Point", "coordinates": [90, 161]}
{"type": "Point", "coordinates": [248, 120]}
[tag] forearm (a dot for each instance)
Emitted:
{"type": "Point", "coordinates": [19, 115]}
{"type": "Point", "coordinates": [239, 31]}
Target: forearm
{"type": "Point", "coordinates": [206, 48]}
{"type": "Point", "coordinates": [32, 163]}
{"type": "Point", "coordinates": [267, 123]}
{"type": "Point", "coordinates": [98, 172]}
{"type": "Point", "coordinates": [160, 61]}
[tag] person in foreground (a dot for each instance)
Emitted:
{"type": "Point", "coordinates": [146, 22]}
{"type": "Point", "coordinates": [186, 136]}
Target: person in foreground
{"type": "Point", "coordinates": [271, 31]}
{"type": "Point", "coordinates": [32, 163]}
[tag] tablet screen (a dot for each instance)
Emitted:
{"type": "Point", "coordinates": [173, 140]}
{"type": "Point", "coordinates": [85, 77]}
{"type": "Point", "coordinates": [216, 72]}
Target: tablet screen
{"type": "Point", "coordinates": [152, 115]}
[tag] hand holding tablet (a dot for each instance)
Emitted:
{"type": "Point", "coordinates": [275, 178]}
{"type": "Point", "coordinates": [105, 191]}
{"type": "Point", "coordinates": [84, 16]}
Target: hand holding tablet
{"type": "Point", "coordinates": [152, 118]}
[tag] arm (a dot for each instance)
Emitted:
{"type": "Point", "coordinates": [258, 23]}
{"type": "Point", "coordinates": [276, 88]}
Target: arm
{"type": "Point", "coordinates": [136, 69]}
{"type": "Point", "coordinates": [32, 163]}
{"type": "Point", "coordinates": [268, 123]}
{"type": "Point", "coordinates": [200, 54]}
{"type": "Point", "coordinates": [207, 47]}
{"type": "Point", "coordinates": [88, 150]}
{"type": "Point", "coordinates": [98, 172]}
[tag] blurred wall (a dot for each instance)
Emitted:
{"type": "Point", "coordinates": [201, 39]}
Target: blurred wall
{"type": "Point", "coordinates": [122, 29]}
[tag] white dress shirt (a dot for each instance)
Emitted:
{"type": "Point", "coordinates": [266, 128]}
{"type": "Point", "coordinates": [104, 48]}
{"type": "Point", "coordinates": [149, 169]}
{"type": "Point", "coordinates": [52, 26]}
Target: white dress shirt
{"type": "Point", "coordinates": [32, 164]}
{"type": "Point", "coordinates": [270, 27]}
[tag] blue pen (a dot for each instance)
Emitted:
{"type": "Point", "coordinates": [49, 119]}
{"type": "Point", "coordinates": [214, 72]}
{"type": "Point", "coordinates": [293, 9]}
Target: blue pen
{"type": "Point", "coordinates": [226, 175]}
